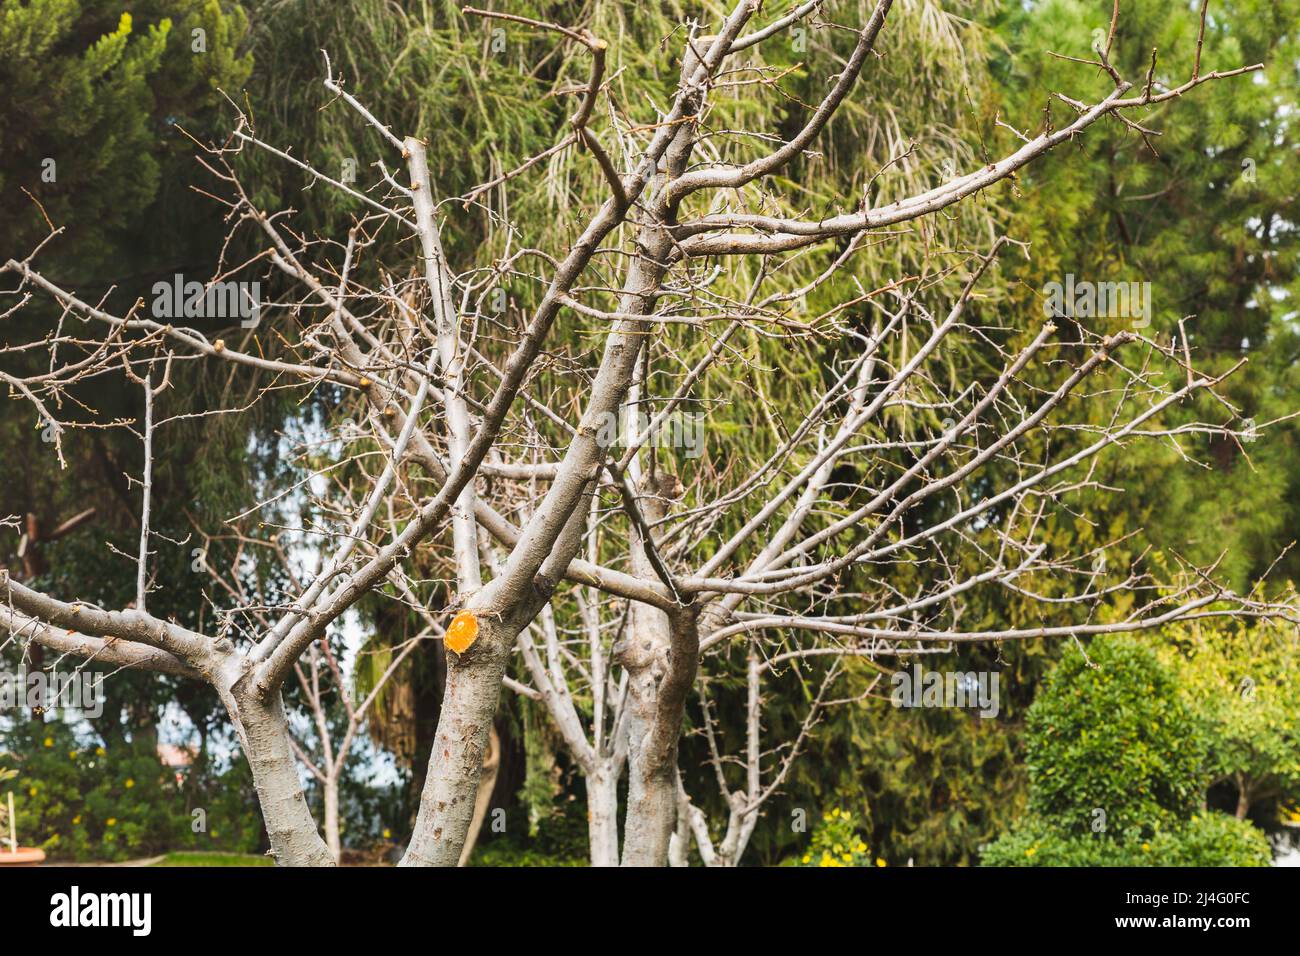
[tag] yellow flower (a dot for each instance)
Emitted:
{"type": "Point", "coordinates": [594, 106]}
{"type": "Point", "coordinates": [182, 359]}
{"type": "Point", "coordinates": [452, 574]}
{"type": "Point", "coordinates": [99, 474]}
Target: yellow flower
{"type": "Point", "coordinates": [838, 848]}
{"type": "Point", "coordinates": [387, 833]}
{"type": "Point", "coordinates": [76, 821]}
{"type": "Point", "coordinates": [49, 741]}
{"type": "Point", "coordinates": [129, 783]}
{"type": "Point", "coordinates": [1031, 851]}
{"type": "Point", "coordinates": [99, 751]}
{"type": "Point", "coordinates": [826, 859]}
{"type": "Point", "coordinates": [835, 812]}
{"type": "Point", "coordinates": [1146, 847]}
{"type": "Point", "coordinates": [860, 848]}
{"type": "Point", "coordinates": [72, 755]}
{"type": "Point", "coordinates": [807, 858]}
{"type": "Point", "coordinates": [880, 862]}
{"type": "Point", "coordinates": [111, 821]}
{"type": "Point", "coordinates": [848, 857]}
{"type": "Point", "coordinates": [31, 792]}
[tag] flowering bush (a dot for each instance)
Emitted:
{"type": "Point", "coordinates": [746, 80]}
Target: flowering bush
{"type": "Point", "coordinates": [836, 841]}
{"type": "Point", "coordinates": [74, 802]}
{"type": "Point", "coordinates": [80, 801]}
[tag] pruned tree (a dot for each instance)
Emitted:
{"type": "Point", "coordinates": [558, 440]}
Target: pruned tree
{"type": "Point", "coordinates": [536, 465]}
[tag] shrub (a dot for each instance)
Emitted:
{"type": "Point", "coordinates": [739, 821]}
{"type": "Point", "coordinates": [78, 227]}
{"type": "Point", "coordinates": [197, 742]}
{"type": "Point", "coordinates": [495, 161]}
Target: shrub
{"type": "Point", "coordinates": [837, 841]}
{"type": "Point", "coordinates": [1117, 772]}
{"type": "Point", "coordinates": [116, 801]}
{"type": "Point", "coordinates": [1111, 732]}
{"type": "Point", "coordinates": [1207, 839]}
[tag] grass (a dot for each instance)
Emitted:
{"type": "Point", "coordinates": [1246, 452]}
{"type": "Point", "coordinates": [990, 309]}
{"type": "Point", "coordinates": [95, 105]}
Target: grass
{"type": "Point", "coordinates": [214, 859]}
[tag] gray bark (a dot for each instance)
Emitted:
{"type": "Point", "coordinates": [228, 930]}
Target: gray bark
{"type": "Point", "coordinates": [295, 841]}
{"type": "Point", "coordinates": [486, 783]}
{"type": "Point", "coordinates": [330, 791]}
{"type": "Point", "coordinates": [661, 677]}
{"type": "Point", "coordinates": [469, 705]}
{"type": "Point", "coordinates": [602, 815]}
{"type": "Point", "coordinates": [661, 649]}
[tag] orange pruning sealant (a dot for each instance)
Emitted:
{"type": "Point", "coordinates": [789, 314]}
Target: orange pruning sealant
{"type": "Point", "coordinates": [463, 632]}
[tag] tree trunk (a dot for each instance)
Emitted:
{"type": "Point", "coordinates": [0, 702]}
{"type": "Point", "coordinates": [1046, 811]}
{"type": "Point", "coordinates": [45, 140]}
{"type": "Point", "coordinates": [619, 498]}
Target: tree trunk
{"type": "Point", "coordinates": [602, 815]}
{"type": "Point", "coordinates": [651, 654]}
{"type": "Point", "coordinates": [330, 789]}
{"type": "Point", "coordinates": [651, 809]}
{"type": "Point", "coordinates": [545, 548]}
{"type": "Point", "coordinates": [295, 841]}
{"type": "Point", "coordinates": [486, 782]}
{"type": "Point", "coordinates": [660, 655]}
{"type": "Point", "coordinates": [469, 705]}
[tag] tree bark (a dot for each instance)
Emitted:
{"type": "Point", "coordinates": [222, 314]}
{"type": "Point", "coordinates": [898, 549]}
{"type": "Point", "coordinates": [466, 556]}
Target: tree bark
{"type": "Point", "coordinates": [295, 841]}
{"type": "Point", "coordinates": [469, 706]}
{"type": "Point", "coordinates": [330, 791]}
{"type": "Point", "coordinates": [1243, 799]}
{"type": "Point", "coordinates": [547, 544]}
{"type": "Point", "coordinates": [660, 655]}
{"type": "Point", "coordinates": [486, 782]}
{"type": "Point", "coordinates": [660, 678]}
{"type": "Point", "coordinates": [661, 650]}
{"type": "Point", "coordinates": [602, 815]}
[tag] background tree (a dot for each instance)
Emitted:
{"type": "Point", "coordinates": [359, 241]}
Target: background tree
{"type": "Point", "coordinates": [1201, 213]}
{"type": "Point", "coordinates": [1241, 682]}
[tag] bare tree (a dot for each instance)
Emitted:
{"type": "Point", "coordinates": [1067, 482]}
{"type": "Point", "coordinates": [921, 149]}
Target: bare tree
{"type": "Point", "coordinates": [497, 448]}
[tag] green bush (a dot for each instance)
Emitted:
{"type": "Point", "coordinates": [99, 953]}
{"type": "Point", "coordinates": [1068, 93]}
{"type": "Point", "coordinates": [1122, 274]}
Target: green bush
{"type": "Point", "coordinates": [837, 841]}
{"type": "Point", "coordinates": [93, 93]}
{"type": "Point", "coordinates": [93, 801]}
{"type": "Point", "coordinates": [1207, 839]}
{"type": "Point", "coordinates": [1117, 772]}
{"type": "Point", "coordinates": [75, 802]}
{"type": "Point", "coordinates": [504, 853]}
{"type": "Point", "coordinates": [1111, 732]}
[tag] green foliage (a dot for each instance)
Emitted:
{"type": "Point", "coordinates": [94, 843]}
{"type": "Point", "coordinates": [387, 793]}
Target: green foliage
{"type": "Point", "coordinates": [1205, 218]}
{"type": "Point", "coordinates": [1110, 730]}
{"type": "Point", "coordinates": [1207, 839]}
{"type": "Point", "coordinates": [102, 91]}
{"type": "Point", "coordinates": [93, 93]}
{"type": "Point", "coordinates": [929, 784]}
{"type": "Point", "coordinates": [76, 802]}
{"type": "Point", "coordinates": [502, 853]}
{"type": "Point", "coordinates": [215, 859]}
{"type": "Point", "coordinates": [82, 81]}
{"type": "Point", "coordinates": [1216, 244]}
{"type": "Point", "coordinates": [1243, 682]}
{"type": "Point", "coordinates": [85, 801]}
{"type": "Point", "coordinates": [557, 838]}
{"type": "Point", "coordinates": [1117, 771]}
{"type": "Point", "coordinates": [837, 840]}
{"type": "Point", "coordinates": [5, 774]}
